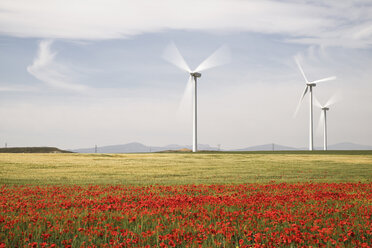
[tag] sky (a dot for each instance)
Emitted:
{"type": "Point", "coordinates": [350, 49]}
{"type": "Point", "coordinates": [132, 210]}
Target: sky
{"type": "Point", "coordinates": [76, 75]}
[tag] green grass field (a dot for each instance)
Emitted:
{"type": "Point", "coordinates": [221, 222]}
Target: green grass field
{"type": "Point", "coordinates": [186, 168]}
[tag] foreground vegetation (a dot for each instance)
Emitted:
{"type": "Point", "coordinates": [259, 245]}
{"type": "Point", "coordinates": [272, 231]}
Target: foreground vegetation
{"type": "Point", "coordinates": [247, 215]}
{"type": "Point", "coordinates": [185, 168]}
{"type": "Point", "coordinates": [236, 199]}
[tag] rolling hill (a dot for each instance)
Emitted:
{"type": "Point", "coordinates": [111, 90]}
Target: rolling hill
{"type": "Point", "coordinates": [32, 150]}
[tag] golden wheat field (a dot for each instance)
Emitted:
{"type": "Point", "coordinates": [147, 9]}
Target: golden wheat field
{"type": "Point", "coordinates": [185, 168]}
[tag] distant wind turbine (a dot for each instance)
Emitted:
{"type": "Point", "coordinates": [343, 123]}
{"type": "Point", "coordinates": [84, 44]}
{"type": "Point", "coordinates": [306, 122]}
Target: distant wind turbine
{"type": "Point", "coordinates": [219, 57]}
{"type": "Point", "coordinates": [323, 117]}
{"type": "Point", "coordinates": [309, 87]}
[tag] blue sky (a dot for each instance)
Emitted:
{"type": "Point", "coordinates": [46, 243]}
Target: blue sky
{"type": "Point", "coordinates": [74, 75]}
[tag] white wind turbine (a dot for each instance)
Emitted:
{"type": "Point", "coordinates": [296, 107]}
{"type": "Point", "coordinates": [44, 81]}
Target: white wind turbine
{"type": "Point", "coordinates": [219, 57]}
{"type": "Point", "coordinates": [309, 87]}
{"type": "Point", "coordinates": [323, 117]}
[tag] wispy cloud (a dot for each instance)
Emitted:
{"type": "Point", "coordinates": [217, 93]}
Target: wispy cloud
{"type": "Point", "coordinates": [47, 70]}
{"type": "Point", "coordinates": [18, 88]}
{"type": "Point", "coordinates": [331, 23]}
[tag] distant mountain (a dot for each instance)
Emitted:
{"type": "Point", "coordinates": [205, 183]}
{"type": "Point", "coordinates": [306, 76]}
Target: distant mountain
{"type": "Point", "coordinates": [127, 148]}
{"type": "Point", "coordinates": [341, 146]}
{"type": "Point", "coordinates": [201, 147]}
{"type": "Point", "coordinates": [267, 147]}
{"type": "Point", "coordinates": [136, 147]}
{"type": "Point", "coordinates": [348, 146]}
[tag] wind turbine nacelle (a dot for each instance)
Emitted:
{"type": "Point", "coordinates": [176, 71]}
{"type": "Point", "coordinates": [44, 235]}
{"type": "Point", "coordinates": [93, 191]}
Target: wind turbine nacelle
{"type": "Point", "coordinates": [195, 74]}
{"type": "Point", "coordinates": [311, 84]}
{"type": "Point", "coordinates": [325, 108]}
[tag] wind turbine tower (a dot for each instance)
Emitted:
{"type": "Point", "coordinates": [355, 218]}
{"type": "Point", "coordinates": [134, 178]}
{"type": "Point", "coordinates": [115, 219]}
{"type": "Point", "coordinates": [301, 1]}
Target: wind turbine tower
{"type": "Point", "coordinates": [195, 76]}
{"type": "Point", "coordinates": [323, 117]}
{"type": "Point", "coordinates": [219, 57]}
{"type": "Point", "coordinates": [309, 87]}
{"type": "Point", "coordinates": [325, 109]}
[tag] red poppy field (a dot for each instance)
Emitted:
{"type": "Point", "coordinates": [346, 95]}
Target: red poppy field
{"type": "Point", "coordinates": [245, 215]}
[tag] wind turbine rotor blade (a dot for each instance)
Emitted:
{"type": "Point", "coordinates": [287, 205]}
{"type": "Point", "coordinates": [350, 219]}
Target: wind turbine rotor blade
{"type": "Point", "coordinates": [324, 80]}
{"type": "Point", "coordinates": [320, 122]}
{"type": "Point", "coordinates": [333, 100]}
{"type": "Point", "coordinates": [220, 57]}
{"type": "Point", "coordinates": [185, 105]}
{"type": "Point", "coordinates": [173, 56]}
{"type": "Point", "coordinates": [301, 70]}
{"type": "Point", "coordinates": [303, 94]}
{"type": "Point", "coordinates": [317, 103]}
{"type": "Point", "coordinates": [299, 103]}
